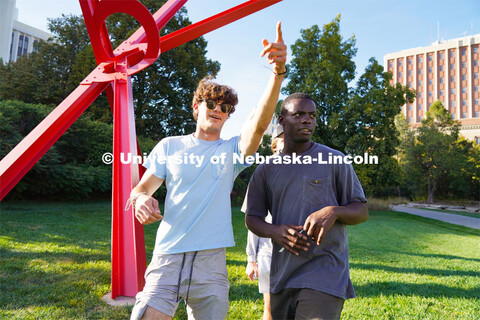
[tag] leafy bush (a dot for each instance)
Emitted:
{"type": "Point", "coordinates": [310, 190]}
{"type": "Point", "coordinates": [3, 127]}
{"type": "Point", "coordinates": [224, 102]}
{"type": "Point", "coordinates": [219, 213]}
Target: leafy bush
{"type": "Point", "coordinates": [72, 168]}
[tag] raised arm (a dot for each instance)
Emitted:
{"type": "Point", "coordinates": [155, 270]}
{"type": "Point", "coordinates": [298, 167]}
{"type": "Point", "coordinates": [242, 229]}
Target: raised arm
{"type": "Point", "coordinates": [252, 131]}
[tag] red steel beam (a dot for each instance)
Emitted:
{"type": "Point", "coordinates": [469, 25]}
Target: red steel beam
{"type": "Point", "coordinates": [200, 28]}
{"type": "Point", "coordinates": [128, 247]}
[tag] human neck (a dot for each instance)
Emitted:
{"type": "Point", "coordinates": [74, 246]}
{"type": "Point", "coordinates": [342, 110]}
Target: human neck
{"type": "Point", "coordinates": [292, 147]}
{"type": "Point", "coordinates": [206, 135]}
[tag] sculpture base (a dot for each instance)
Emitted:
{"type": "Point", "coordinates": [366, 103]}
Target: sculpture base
{"type": "Point", "coordinates": [120, 301]}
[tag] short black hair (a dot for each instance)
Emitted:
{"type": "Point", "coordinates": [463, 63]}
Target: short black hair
{"type": "Point", "coordinates": [293, 96]}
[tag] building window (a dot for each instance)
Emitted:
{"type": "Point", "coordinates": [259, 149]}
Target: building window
{"type": "Point", "coordinates": [453, 115]}
{"type": "Point", "coordinates": [475, 50]}
{"type": "Point", "coordinates": [11, 46]}
{"type": "Point", "coordinates": [452, 79]}
{"type": "Point", "coordinates": [464, 77]}
{"type": "Point", "coordinates": [452, 67]}
{"type": "Point", "coordinates": [441, 68]}
{"type": "Point", "coordinates": [419, 118]}
{"type": "Point", "coordinates": [410, 84]}
{"type": "Point", "coordinates": [452, 91]}
{"type": "Point", "coordinates": [475, 88]}
{"type": "Point", "coordinates": [419, 59]}
{"type": "Point", "coordinates": [475, 63]}
{"type": "Point", "coordinates": [475, 114]}
{"type": "Point", "coordinates": [400, 74]}
{"type": "Point", "coordinates": [441, 80]}
{"type": "Point", "coordinates": [475, 75]}
{"type": "Point", "coordinates": [409, 61]}
{"type": "Point", "coordinates": [476, 102]}
{"type": "Point", "coordinates": [419, 71]}
{"type": "Point", "coordinates": [452, 104]}
{"type": "Point", "coordinates": [430, 58]}
{"type": "Point", "coordinates": [419, 83]}
{"type": "Point", "coordinates": [441, 93]}
{"type": "Point", "coordinates": [477, 140]}
{"type": "Point", "coordinates": [420, 95]}
{"type": "Point", "coordinates": [430, 94]}
{"type": "Point", "coordinates": [35, 44]}
{"type": "Point", "coordinates": [464, 52]}
{"type": "Point", "coordinates": [409, 72]}
{"type": "Point", "coordinates": [429, 70]}
{"type": "Point", "coordinates": [25, 46]}
{"type": "Point", "coordinates": [390, 64]}
{"type": "Point", "coordinates": [464, 114]}
{"type": "Point", "coordinates": [452, 54]}
{"type": "Point", "coordinates": [464, 102]}
{"type": "Point", "coordinates": [409, 107]}
{"type": "Point", "coordinates": [464, 64]}
{"type": "Point", "coordinates": [441, 55]}
{"type": "Point", "coordinates": [420, 107]}
{"type": "Point", "coordinates": [20, 45]}
{"type": "Point", "coordinates": [399, 63]}
{"type": "Point", "coordinates": [409, 120]}
{"type": "Point", "coordinates": [464, 90]}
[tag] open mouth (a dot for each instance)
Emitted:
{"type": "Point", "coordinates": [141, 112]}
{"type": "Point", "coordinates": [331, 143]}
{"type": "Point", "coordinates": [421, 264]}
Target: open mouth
{"type": "Point", "coordinates": [214, 116]}
{"type": "Point", "coordinates": [305, 130]}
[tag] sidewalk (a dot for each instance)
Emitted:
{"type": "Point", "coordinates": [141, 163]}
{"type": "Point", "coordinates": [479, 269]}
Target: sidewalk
{"type": "Point", "coordinates": [445, 217]}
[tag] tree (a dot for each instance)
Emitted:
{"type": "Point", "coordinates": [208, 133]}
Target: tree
{"type": "Point", "coordinates": [322, 66]}
{"type": "Point", "coordinates": [433, 154]}
{"type": "Point", "coordinates": [162, 92]}
{"type": "Point", "coordinates": [368, 125]}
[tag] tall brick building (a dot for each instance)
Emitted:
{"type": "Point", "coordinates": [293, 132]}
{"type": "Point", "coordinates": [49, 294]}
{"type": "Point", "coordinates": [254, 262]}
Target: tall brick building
{"type": "Point", "coordinates": [447, 71]}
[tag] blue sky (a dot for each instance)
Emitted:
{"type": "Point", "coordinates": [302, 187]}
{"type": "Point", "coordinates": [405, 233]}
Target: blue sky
{"type": "Point", "coordinates": [379, 26]}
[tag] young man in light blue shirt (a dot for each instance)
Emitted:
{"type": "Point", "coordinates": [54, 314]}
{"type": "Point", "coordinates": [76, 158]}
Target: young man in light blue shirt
{"type": "Point", "coordinates": [189, 257]}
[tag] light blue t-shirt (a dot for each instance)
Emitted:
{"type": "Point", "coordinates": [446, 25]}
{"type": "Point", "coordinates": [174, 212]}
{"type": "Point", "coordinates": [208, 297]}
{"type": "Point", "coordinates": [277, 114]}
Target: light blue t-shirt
{"type": "Point", "coordinates": [197, 214]}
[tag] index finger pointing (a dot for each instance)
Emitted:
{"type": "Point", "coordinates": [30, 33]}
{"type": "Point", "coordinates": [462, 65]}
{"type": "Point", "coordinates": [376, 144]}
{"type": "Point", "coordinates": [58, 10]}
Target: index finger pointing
{"type": "Point", "coordinates": [279, 32]}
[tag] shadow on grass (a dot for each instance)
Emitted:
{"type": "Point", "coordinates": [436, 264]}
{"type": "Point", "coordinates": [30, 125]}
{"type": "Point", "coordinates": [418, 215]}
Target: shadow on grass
{"type": "Point", "coordinates": [237, 263]}
{"type": "Point", "coordinates": [244, 292]}
{"type": "Point", "coordinates": [422, 271]}
{"type": "Point", "coordinates": [427, 290]}
{"type": "Point", "coordinates": [441, 256]}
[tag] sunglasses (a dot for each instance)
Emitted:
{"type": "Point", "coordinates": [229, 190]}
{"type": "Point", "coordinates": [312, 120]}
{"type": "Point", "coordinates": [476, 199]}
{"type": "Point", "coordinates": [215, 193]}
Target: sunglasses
{"type": "Point", "coordinates": [225, 107]}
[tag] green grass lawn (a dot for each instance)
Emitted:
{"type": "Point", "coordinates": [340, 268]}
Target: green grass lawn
{"type": "Point", "coordinates": [55, 264]}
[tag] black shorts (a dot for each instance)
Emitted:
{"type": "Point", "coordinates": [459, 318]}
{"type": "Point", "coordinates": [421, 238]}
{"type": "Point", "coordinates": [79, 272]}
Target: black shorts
{"type": "Point", "coordinates": [305, 304]}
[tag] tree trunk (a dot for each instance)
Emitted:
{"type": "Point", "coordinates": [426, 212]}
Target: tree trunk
{"type": "Point", "coordinates": [431, 191]}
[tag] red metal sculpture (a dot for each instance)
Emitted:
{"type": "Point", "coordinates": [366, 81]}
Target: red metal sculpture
{"type": "Point", "coordinates": [113, 74]}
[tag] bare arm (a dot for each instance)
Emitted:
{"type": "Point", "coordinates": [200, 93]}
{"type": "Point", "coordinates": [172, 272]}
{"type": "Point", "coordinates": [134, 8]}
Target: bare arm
{"type": "Point", "coordinates": [146, 207]}
{"type": "Point", "coordinates": [253, 130]}
{"type": "Point", "coordinates": [285, 235]}
{"type": "Point", "coordinates": [319, 222]}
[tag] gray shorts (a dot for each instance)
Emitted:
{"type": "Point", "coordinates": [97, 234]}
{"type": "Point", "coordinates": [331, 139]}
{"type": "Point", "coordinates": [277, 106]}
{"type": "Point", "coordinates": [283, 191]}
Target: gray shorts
{"type": "Point", "coordinates": [202, 276]}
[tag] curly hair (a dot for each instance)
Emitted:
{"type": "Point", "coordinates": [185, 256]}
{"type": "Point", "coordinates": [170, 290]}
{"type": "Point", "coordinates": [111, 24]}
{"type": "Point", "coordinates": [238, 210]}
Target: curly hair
{"type": "Point", "coordinates": [208, 89]}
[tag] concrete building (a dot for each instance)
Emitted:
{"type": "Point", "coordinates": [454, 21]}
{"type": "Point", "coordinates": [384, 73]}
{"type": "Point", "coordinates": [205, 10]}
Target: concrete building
{"type": "Point", "coordinates": [16, 38]}
{"type": "Point", "coordinates": [447, 71]}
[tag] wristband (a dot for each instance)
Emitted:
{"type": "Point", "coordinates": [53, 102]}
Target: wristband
{"type": "Point", "coordinates": [131, 201]}
{"type": "Point", "coordinates": [281, 73]}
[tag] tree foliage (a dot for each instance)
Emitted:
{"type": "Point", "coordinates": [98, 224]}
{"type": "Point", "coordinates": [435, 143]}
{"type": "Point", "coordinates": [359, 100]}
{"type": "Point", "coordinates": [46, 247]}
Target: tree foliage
{"type": "Point", "coordinates": [439, 161]}
{"type": "Point", "coordinates": [162, 92]}
{"type": "Point", "coordinates": [368, 125]}
{"type": "Point", "coordinates": [72, 168]}
{"type": "Point", "coordinates": [322, 66]}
